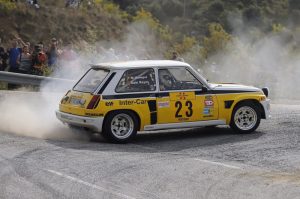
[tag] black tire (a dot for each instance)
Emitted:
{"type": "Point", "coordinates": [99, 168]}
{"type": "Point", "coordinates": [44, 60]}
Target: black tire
{"type": "Point", "coordinates": [112, 129]}
{"type": "Point", "coordinates": [245, 117]}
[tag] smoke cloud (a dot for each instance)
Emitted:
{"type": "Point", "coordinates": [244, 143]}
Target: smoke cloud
{"type": "Point", "coordinates": [259, 59]}
{"type": "Point", "coordinates": [33, 113]}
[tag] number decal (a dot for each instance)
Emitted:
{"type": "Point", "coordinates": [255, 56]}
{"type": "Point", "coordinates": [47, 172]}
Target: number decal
{"type": "Point", "coordinates": [188, 113]}
{"type": "Point", "coordinates": [179, 106]}
{"type": "Point", "coordinates": [190, 107]}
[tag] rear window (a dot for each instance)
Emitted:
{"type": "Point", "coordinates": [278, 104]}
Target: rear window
{"type": "Point", "coordinates": [91, 80]}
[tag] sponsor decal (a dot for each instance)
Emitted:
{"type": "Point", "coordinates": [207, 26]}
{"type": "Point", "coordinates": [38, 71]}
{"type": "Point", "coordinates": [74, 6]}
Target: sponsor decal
{"type": "Point", "coordinates": [208, 101]}
{"type": "Point", "coordinates": [207, 112]}
{"type": "Point", "coordinates": [93, 114]}
{"type": "Point", "coordinates": [163, 104]}
{"type": "Point", "coordinates": [182, 96]}
{"type": "Point", "coordinates": [183, 119]}
{"type": "Point", "coordinates": [109, 103]}
{"type": "Point", "coordinates": [132, 102]}
{"type": "Point", "coordinates": [66, 117]}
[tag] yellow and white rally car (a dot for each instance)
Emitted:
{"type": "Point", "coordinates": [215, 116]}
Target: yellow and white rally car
{"type": "Point", "coordinates": [119, 99]}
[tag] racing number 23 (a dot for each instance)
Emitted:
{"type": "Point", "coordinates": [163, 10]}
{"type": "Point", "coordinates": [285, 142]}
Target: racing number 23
{"type": "Point", "coordinates": [188, 113]}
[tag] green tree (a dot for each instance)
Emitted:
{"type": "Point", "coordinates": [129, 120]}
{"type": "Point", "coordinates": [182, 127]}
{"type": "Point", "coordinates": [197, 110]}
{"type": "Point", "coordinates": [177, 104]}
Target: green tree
{"type": "Point", "coordinates": [217, 40]}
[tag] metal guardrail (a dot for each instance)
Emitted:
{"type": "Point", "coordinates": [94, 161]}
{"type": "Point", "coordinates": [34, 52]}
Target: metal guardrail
{"type": "Point", "coordinates": [24, 79]}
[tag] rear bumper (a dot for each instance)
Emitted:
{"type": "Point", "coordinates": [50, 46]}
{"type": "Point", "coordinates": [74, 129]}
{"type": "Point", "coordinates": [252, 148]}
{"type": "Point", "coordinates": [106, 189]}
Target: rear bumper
{"type": "Point", "coordinates": [267, 108]}
{"type": "Point", "coordinates": [94, 123]}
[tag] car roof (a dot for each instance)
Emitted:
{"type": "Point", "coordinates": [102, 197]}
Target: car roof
{"type": "Point", "coordinates": [139, 64]}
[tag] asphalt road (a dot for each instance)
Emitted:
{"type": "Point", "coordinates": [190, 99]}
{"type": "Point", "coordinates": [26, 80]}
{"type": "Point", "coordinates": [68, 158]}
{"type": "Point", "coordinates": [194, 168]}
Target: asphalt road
{"type": "Point", "coordinates": [199, 163]}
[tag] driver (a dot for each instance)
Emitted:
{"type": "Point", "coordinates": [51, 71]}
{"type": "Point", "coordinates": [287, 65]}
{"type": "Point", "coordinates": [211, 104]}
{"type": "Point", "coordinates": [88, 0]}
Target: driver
{"type": "Point", "coordinates": [165, 80]}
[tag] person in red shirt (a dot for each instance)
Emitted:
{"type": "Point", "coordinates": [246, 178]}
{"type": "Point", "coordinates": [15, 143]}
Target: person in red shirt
{"type": "Point", "coordinates": [39, 59]}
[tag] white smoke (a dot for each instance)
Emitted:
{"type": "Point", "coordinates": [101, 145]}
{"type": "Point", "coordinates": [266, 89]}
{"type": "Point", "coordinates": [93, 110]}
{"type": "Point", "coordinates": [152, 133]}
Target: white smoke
{"type": "Point", "coordinates": [33, 114]}
{"type": "Point", "coordinates": [269, 60]}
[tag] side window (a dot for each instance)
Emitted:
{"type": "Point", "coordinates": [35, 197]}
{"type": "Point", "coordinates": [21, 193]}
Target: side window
{"type": "Point", "coordinates": [177, 79]}
{"type": "Point", "coordinates": [137, 80]}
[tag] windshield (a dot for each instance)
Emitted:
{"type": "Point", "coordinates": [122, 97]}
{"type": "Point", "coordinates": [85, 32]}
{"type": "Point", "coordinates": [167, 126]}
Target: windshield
{"type": "Point", "coordinates": [91, 80]}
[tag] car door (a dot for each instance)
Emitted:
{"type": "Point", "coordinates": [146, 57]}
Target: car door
{"type": "Point", "coordinates": [181, 97]}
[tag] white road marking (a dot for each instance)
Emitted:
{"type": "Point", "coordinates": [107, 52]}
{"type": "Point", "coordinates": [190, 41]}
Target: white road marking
{"type": "Point", "coordinates": [218, 163]}
{"type": "Point", "coordinates": [89, 184]}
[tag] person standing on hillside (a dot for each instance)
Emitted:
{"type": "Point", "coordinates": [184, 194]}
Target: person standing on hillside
{"type": "Point", "coordinates": [24, 44]}
{"type": "Point", "coordinates": [68, 54]}
{"type": "Point", "coordinates": [36, 4]}
{"type": "Point", "coordinates": [52, 53]}
{"type": "Point", "coordinates": [14, 57]}
{"type": "Point", "coordinates": [39, 59]}
{"type": "Point", "coordinates": [25, 61]}
{"type": "Point", "coordinates": [175, 56]}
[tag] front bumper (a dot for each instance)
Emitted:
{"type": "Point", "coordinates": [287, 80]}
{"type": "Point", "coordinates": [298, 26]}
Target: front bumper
{"type": "Point", "coordinates": [267, 108]}
{"type": "Point", "coordinates": [94, 123]}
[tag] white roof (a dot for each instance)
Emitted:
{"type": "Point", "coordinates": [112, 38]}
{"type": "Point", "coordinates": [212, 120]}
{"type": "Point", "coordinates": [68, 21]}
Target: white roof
{"type": "Point", "coordinates": [140, 64]}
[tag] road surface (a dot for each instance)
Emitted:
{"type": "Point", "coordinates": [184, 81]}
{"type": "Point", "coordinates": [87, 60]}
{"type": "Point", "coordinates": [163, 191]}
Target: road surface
{"type": "Point", "coordinates": [196, 163]}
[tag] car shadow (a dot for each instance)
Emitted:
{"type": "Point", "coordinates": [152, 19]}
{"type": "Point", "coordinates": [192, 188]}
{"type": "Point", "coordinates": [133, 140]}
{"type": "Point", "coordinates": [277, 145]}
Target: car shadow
{"type": "Point", "coordinates": [164, 141]}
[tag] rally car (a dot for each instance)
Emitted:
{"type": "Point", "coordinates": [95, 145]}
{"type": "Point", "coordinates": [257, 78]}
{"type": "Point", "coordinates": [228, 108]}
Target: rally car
{"type": "Point", "coordinates": [120, 99]}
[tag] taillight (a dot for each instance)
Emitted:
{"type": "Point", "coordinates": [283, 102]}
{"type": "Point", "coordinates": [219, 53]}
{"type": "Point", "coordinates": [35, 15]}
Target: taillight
{"type": "Point", "coordinates": [65, 98]}
{"type": "Point", "coordinates": [94, 102]}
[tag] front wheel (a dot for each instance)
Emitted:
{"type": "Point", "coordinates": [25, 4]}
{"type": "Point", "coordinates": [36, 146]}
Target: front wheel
{"type": "Point", "coordinates": [245, 118]}
{"type": "Point", "coordinates": [120, 126]}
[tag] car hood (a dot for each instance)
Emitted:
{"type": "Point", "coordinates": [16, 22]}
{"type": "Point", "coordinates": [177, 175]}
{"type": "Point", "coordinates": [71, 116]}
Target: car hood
{"type": "Point", "coordinates": [234, 88]}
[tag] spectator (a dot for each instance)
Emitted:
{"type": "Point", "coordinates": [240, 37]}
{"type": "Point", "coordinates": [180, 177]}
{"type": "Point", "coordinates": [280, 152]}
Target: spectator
{"type": "Point", "coordinates": [73, 3]}
{"type": "Point", "coordinates": [39, 59]}
{"type": "Point", "coordinates": [176, 57]}
{"type": "Point", "coordinates": [14, 57]}
{"type": "Point", "coordinates": [35, 3]}
{"type": "Point", "coordinates": [68, 53]}
{"type": "Point", "coordinates": [3, 58]}
{"type": "Point", "coordinates": [24, 44]}
{"type": "Point", "coordinates": [25, 61]}
{"type": "Point", "coordinates": [52, 53]}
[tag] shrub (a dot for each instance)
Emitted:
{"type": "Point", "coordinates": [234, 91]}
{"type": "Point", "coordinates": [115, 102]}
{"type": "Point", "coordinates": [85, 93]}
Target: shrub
{"type": "Point", "coordinates": [6, 6]}
{"type": "Point", "coordinates": [217, 40]}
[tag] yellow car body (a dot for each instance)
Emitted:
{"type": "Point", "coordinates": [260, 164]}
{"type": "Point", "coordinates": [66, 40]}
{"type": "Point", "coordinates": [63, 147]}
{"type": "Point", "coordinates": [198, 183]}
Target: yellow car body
{"type": "Point", "coordinates": [196, 104]}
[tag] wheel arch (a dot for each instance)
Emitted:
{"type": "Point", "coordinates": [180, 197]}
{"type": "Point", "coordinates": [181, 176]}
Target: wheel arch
{"type": "Point", "coordinates": [256, 103]}
{"type": "Point", "coordinates": [124, 110]}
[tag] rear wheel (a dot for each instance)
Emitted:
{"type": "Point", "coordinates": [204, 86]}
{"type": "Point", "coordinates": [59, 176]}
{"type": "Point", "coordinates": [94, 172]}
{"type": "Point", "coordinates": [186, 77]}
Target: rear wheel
{"type": "Point", "coordinates": [245, 118]}
{"type": "Point", "coordinates": [120, 126]}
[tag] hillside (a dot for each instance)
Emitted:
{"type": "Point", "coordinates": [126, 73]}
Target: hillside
{"type": "Point", "coordinates": [52, 19]}
{"type": "Point", "coordinates": [192, 17]}
{"type": "Point", "coordinates": [179, 25]}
